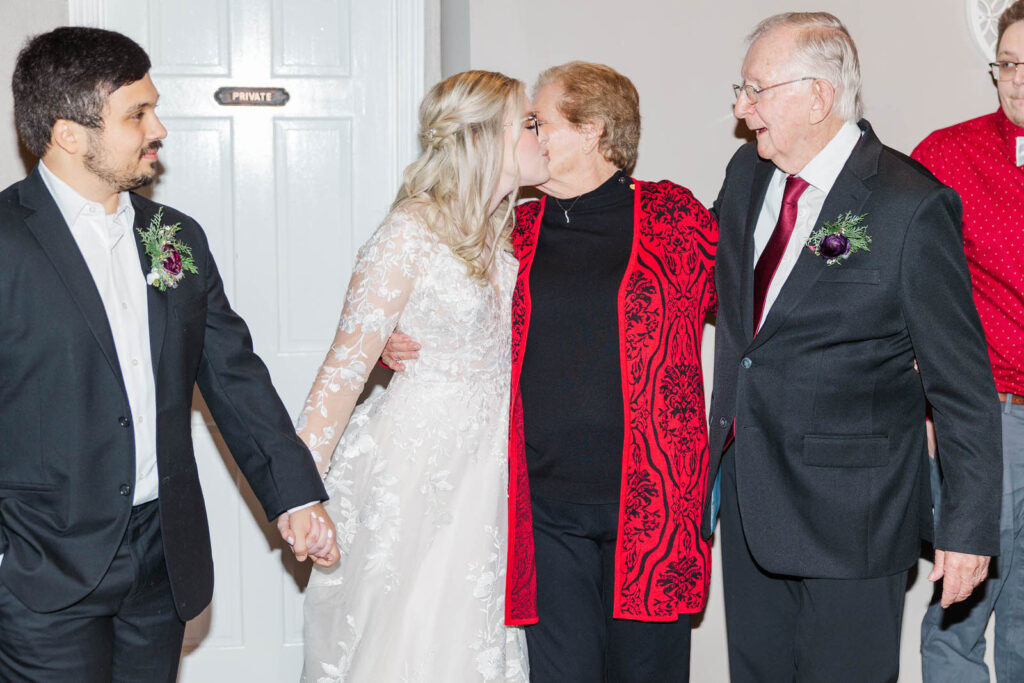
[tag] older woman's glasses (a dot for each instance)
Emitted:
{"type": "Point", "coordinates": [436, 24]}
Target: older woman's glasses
{"type": "Point", "coordinates": [533, 123]}
{"type": "Point", "coordinates": [530, 123]}
{"type": "Point", "coordinates": [752, 92]}
{"type": "Point", "coordinates": [1004, 71]}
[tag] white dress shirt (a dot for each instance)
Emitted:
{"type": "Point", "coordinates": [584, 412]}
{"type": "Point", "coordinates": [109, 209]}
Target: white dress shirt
{"type": "Point", "coordinates": [109, 249]}
{"type": "Point", "coordinates": [821, 173]}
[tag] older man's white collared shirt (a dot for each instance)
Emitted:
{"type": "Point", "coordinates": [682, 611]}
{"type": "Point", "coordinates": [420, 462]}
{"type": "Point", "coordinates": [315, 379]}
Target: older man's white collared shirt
{"type": "Point", "coordinates": [821, 173]}
{"type": "Point", "coordinates": [110, 252]}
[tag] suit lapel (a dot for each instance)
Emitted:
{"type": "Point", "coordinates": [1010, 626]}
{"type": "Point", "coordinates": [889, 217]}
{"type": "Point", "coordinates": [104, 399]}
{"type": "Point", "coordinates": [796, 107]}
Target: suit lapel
{"type": "Point", "coordinates": [849, 193]}
{"type": "Point", "coordinates": [156, 300]}
{"type": "Point", "coordinates": [759, 188]}
{"type": "Point", "coordinates": [54, 236]}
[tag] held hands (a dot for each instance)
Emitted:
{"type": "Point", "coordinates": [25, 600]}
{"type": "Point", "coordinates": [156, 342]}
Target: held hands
{"type": "Point", "coordinates": [399, 347]}
{"type": "Point", "coordinates": [960, 573]}
{"type": "Point", "coordinates": [310, 533]}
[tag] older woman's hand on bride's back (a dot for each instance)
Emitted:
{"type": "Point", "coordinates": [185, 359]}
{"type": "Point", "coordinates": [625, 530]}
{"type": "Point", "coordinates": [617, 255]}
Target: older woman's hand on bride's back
{"type": "Point", "coordinates": [400, 347]}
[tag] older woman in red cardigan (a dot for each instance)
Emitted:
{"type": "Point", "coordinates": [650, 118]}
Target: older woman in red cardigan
{"type": "Point", "coordinates": [608, 442]}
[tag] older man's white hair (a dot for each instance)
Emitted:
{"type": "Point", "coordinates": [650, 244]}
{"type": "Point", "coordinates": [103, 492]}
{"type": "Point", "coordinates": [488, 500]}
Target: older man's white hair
{"type": "Point", "coordinates": [824, 49]}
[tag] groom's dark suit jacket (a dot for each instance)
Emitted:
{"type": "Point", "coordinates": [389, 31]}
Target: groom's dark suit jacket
{"type": "Point", "coordinates": [67, 452]}
{"type": "Point", "coordinates": [831, 465]}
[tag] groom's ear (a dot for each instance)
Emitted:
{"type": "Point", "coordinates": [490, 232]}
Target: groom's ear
{"type": "Point", "coordinates": [67, 136]}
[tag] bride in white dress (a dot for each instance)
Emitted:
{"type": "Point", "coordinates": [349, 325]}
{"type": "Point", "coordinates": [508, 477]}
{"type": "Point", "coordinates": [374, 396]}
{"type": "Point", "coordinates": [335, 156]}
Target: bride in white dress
{"type": "Point", "coordinates": [417, 475]}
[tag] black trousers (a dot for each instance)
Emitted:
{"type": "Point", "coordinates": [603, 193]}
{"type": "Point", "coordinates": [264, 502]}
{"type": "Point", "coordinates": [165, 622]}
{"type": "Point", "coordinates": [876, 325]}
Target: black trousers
{"type": "Point", "coordinates": [576, 638]}
{"type": "Point", "coordinates": [126, 629]}
{"type": "Point", "coordinates": [784, 628]}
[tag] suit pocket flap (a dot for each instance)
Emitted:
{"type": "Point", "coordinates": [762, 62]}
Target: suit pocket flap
{"type": "Point", "coordinates": [26, 486]}
{"type": "Point", "coordinates": [845, 451]}
{"type": "Point", "coordinates": [840, 273]}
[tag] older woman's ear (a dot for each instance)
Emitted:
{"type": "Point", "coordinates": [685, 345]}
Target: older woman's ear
{"type": "Point", "coordinates": [591, 133]}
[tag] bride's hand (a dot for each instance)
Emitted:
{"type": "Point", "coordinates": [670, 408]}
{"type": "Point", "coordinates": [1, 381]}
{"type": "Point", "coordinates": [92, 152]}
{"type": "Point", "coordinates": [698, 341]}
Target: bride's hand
{"type": "Point", "coordinates": [320, 542]}
{"type": "Point", "coordinates": [400, 347]}
{"type": "Point", "coordinates": [310, 533]}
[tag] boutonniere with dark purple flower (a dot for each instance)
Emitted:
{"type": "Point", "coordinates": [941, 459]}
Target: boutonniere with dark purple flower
{"type": "Point", "coordinates": [835, 241]}
{"type": "Point", "coordinates": [169, 258]}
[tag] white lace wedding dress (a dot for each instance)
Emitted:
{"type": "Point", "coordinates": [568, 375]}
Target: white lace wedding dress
{"type": "Point", "coordinates": [418, 482]}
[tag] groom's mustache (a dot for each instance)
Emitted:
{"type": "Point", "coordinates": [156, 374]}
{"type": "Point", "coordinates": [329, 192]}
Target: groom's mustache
{"type": "Point", "coordinates": [151, 147]}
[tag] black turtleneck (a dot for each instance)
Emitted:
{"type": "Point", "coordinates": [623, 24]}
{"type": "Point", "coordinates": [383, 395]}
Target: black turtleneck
{"type": "Point", "coordinates": [571, 381]}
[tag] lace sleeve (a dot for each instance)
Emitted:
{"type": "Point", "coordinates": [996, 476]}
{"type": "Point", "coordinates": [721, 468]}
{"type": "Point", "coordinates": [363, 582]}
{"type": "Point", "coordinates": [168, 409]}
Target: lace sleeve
{"type": "Point", "coordinates": [382, 280]}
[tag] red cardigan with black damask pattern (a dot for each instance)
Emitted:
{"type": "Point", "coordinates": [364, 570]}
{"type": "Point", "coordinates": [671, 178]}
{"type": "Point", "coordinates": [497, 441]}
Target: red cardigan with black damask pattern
{"type": "Point", "coordinates": [662, 565]}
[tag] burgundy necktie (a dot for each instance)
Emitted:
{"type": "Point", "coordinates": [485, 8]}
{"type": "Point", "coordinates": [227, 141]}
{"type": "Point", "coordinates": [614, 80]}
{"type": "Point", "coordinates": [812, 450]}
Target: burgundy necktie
{"type": "Point", "coordinates": [766, 266]}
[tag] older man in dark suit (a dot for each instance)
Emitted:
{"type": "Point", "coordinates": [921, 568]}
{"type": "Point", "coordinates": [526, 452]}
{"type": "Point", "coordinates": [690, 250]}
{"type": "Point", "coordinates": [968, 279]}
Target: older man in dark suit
{"type": "Point", "coordinates": [840, 261]}
{"type": "Point", "coordinates": [111, 310]}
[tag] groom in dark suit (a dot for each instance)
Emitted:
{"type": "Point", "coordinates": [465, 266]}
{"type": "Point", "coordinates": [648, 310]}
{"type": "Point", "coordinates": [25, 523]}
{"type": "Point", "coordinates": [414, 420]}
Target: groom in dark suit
{"type": "Point", "coordinates": [840, 262]}
{"type": "Point", "coordinates": [111, 309]}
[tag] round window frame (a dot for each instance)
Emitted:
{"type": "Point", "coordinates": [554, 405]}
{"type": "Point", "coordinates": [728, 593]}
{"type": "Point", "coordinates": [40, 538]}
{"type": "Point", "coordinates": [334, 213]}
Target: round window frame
{"type": "Point", "coordinates": [983, 23]}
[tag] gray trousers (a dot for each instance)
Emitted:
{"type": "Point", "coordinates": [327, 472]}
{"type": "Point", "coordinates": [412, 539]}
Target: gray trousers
{"type": "Point", "coordinates": [953, 640]}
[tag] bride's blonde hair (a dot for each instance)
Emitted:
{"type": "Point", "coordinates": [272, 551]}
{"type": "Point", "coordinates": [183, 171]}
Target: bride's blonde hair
{"type": "Point", "coordinates": [462, 123]}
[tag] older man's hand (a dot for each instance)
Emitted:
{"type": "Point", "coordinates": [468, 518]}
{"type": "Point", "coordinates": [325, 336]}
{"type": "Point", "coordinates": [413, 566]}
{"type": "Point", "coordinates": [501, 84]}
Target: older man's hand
{"type": "Point", "coordinates": [960, 573]}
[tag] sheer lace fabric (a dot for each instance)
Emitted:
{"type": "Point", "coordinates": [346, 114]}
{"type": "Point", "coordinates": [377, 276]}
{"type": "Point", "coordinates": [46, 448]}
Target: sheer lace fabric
{"type": "Point", "coordinates": [418, 480]}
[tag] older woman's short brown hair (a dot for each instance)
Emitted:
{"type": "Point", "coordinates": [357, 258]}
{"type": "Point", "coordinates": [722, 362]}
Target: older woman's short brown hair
{"type": "Point", "coordinates": [597, 93]}
{"type": "Point", "coordinates": [1010, 16]}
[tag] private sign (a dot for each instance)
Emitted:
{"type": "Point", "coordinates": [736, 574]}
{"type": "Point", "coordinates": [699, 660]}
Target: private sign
{"type": "Point", "coordinates": [252, 97]}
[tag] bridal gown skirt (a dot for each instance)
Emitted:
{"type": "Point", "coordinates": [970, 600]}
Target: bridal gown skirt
{"type": "Point", "coordinates": [418, 491]}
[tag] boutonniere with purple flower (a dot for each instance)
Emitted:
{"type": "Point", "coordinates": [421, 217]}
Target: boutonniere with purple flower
{"type": "Point", "coordinates": [835, 241]}
{"type": "Point", "coordinates": [169, 258]}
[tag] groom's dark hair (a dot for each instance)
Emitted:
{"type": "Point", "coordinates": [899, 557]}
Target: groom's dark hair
{"type": "Point", "coordinates": [68, 73]}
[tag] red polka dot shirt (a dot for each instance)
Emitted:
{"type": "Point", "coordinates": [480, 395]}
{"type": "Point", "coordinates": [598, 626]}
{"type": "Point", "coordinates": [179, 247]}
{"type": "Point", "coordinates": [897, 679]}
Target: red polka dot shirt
{"type": "Point", "coordinates": [979, 159]}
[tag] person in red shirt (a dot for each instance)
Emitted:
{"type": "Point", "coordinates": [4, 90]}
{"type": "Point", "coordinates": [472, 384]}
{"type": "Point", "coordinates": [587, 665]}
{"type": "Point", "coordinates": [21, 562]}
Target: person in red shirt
{"type": "Point", "coordinates": [982, 160]}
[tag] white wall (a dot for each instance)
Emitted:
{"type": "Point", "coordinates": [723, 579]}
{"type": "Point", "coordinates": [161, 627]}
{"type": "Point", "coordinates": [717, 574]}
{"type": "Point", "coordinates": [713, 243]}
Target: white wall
{"type": "Point", "coordinates": [921, 71]}
{"type": "Point", "coordinates": [18, 20]}
{"type": "Point", "coordinates": [455, 36]}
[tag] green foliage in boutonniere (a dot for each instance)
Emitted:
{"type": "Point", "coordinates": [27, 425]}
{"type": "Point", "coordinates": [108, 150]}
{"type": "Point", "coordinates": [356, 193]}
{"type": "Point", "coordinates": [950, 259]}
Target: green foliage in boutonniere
{"type": "Point", "coordinates": [169, 258]}
{"type": "Point", "coordinates": [837, 240]}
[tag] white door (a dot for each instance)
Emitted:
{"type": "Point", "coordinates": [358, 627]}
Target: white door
{"type": "Point", "coordinates": [286, 195]}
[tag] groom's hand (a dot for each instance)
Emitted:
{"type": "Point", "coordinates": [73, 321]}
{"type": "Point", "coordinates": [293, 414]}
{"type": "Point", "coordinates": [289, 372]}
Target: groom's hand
{"type": "Point", "coordinates": [310, 533]}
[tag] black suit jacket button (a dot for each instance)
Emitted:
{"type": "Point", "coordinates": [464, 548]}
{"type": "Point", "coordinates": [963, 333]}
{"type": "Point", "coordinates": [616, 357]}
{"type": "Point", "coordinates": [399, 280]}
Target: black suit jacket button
{"type": "Point", "coordinates": [746, 363]}
{"type": "Point", "coordinates": [722, 422]}
{"type": "Point", "coordinates": [125, 489]}
{"type": "Point", "coordinates": [124, 422]}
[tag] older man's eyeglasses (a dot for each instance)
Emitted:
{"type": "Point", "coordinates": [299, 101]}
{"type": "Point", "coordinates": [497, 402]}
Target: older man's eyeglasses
{"type": "Point", "coordinates": [1004, 71]}
{"type": "Point", "coordinates": [753, 92]}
